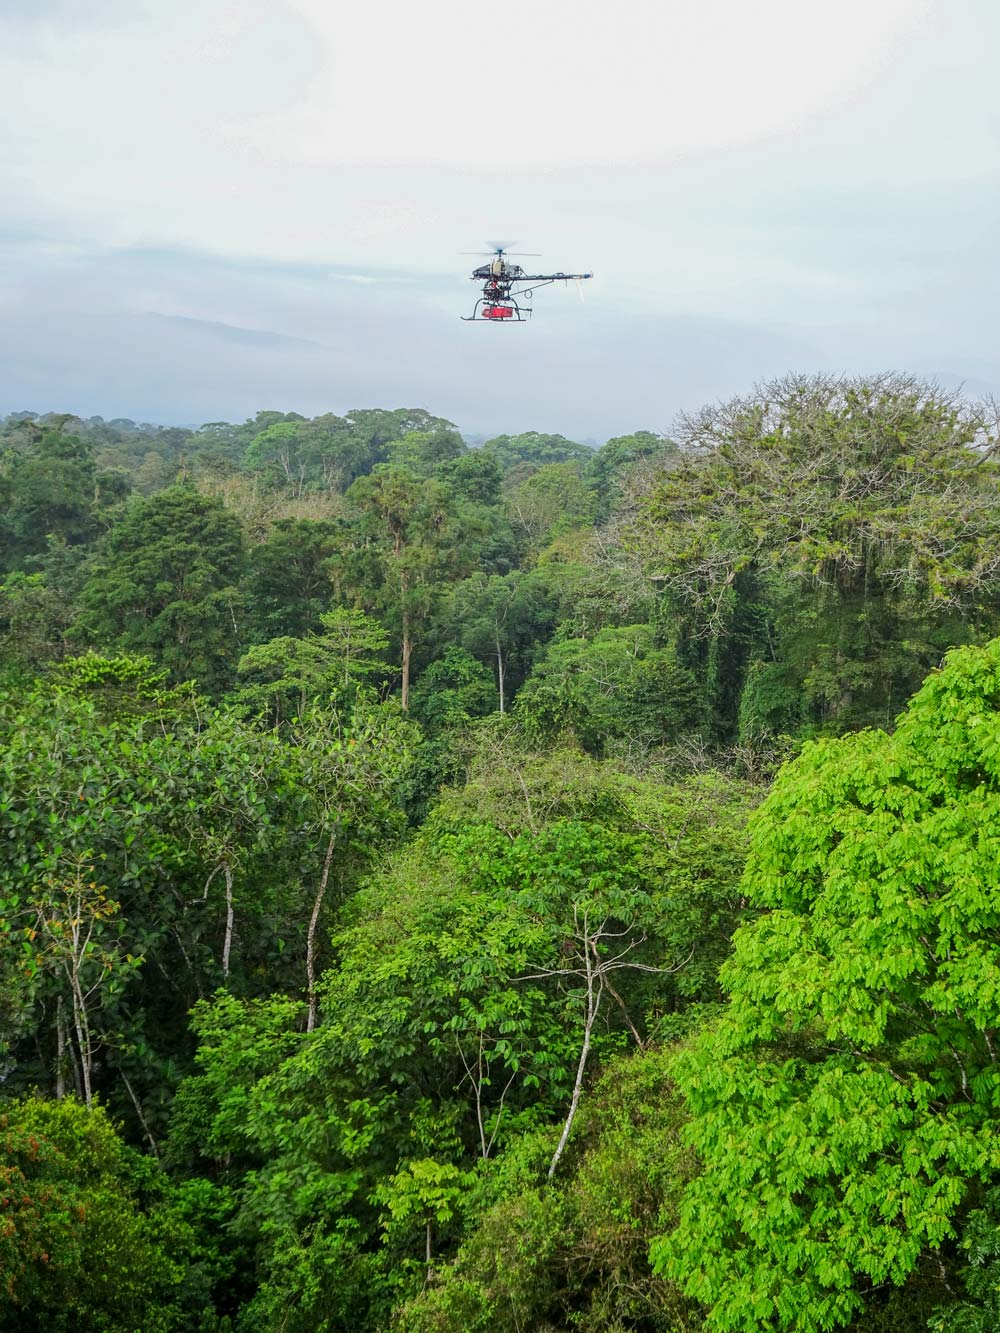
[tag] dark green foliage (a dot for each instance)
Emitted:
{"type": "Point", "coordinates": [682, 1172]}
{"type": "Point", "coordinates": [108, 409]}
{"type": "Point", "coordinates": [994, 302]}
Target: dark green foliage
{"type": "Point", "coordinates": [978, 1308]}
{"type": "Point", "coordinates": [165, 584]}
{"type": "Point", "coordinates": [451, 692]}
{"type": "Point", "coordinates": [53, 495]}
{"type": "Point", "coordinates": [534, 449]}
{"type": "Point", "coordinates": [288, 582]}
{"type": "Point", "coordinates": [616, 692]}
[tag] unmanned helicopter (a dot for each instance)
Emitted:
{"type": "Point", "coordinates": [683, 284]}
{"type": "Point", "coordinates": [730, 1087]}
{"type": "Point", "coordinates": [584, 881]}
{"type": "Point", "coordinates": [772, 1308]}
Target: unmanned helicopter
{"type": "Point", "coordinates": [503, 282]}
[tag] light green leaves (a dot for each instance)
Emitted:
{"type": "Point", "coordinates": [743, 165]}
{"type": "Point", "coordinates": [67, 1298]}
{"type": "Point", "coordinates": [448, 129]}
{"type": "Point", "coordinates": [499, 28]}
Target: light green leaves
{"type": "Point", "coordinates": [846, 1100]}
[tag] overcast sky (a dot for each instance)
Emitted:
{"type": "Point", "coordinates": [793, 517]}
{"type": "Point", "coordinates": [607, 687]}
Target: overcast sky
{"type": "Point", "coordinates": [214, 207]}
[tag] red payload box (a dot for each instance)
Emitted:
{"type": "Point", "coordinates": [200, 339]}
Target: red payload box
{"type": "Point", "coordinates": [498, 312]}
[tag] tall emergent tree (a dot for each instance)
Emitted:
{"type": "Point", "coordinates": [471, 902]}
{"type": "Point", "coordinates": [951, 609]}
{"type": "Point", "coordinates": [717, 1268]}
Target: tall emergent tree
{"type": "Point", "coordinates": [825, 540]}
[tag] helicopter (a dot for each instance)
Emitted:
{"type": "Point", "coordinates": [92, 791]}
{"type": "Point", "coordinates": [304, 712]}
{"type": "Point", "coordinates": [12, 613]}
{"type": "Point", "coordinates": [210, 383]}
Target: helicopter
{"type": "Point", "coordinates": [504, 281]}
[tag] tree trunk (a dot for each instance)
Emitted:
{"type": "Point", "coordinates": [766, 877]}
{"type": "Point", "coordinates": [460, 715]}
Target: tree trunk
{"type": "Point", "coordinates": [500, 675]}
{"type": "Point", "coordinates": [60, 1050]}
{"type": "Point", "coordinates": [138, 1110]}
{"type": "Point", "coordinates": [404, 701]}
{"type": "Point", "coordinates": [311, 933]}
{"type": "Point", "coordinates": [82, 1039]}
{"type": "Point", "coordinates": [593, 1004]}
{"type": "Point", "coordinates": [227, 943]}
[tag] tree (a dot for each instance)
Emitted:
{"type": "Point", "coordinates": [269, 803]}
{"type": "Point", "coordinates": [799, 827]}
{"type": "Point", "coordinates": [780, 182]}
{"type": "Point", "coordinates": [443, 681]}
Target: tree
{"type": "Point", "coordinates": [36, 616]}
{"type": "Point", "coordinates": [421, 536]}
{"type": "Point", "coordinates": [91, 1238]}
{"type": "Point", "coordinates": [422, 452]}
{"type": "Point", "coordinates": [347, 768]}
{"type": "Point", "coordinates": [573, 1251]}
{"type": "Point", "coordinates": [832, 536]}
{"type": "Point", "coordinates": [165, 584]}
{"type": "Point", "coordinates": [618, 689]}
{"type": "Point", "coordinates": [424, 1191]}
{"type": "Point", "coordinates": [500, 616]}
{"type": "Point", "coordinates": [553, 500]}
{"type": "Point", "coordinates": [72, 931]}
{"type": "Point", "coordinates": [844, 1106]}
{"type": "Point", "coordinates": [53, 494]}
{"type": "Point", "coordinates": [453, 690]}
{"type": "Point", "coordinates": [284, 675]}
{"type": "Point", "coordinates": [287, 584]}
{"type": "Point", "coordinates": [534, 449]}
{"type": "Point", "coordinates": [618, 460]}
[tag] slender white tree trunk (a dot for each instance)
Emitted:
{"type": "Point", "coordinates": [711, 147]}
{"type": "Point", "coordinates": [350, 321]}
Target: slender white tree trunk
{"type": "Point", "coordinates": [138, 1110]}
{"type": "Point", "coordinates": [82, 1039]}
{"type": "Point", "coordinates": [404, 697]}
{"type": "Point", "coordinates": [227, 943]}
{"type": "Point", "coordinates": [594, 992]}
{"type": "Point", "coordinates": [60, 1050]}
{"type": "Point", "coordinates": [311, 933]}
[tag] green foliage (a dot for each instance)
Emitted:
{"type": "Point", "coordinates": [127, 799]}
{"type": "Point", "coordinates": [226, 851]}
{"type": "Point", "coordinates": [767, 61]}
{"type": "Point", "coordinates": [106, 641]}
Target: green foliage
{"type": "Point", "coordinates": [553, 500]}
{"type": "Point", "coordinates": [574, 1253]}
{"type": "Point", "coordinates": [421, 452]}
{"type": "Point", "coordinates": [863, 510]}
{"type": "Point", "coordinates": [534, 449]}
{"type": "Point", "coordinates": [330, 452]}
{"type": "Point", "coordinates": [615, 465]}
{"type": "Point", "coordinates": [288, 580]}
{"type": "Point", "coordinates": [123, 686]}
{"type": "Point", "coordinates": [844, 1104]}
{"type": "Point", "coordinates": [614, 691]}
{"type": "Point", "coordinates": [501, 619]}
{"type": "Point", "coordinates": [91, 1237]}
{"type": "Point", "coordinates": [165, 585]}
{"type": "Point", "coordinates": [282, 677]}
{"type": "Point", "coordinates": [402, 1051]}
{"type": "Point", "coordinates": [451, 692]}
{"type": "Point", "coordinates": [53, 494]}
{"type": "Point", "coordinates": [978, 1311]}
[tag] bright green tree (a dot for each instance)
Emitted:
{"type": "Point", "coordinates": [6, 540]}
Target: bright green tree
{"type": "Point", "coordinates": [284, 675]}
{"type": "Point", "coordinates": [844, 1106]}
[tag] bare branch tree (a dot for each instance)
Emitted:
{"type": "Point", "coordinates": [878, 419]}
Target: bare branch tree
{"type": "Point", "coordinates": [585, 959]}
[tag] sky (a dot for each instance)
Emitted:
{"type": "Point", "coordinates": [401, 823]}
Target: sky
{"type": "Point", "coordinates": [212, 208]}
